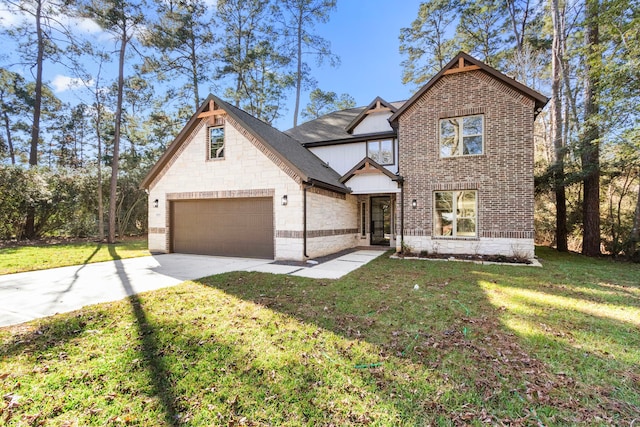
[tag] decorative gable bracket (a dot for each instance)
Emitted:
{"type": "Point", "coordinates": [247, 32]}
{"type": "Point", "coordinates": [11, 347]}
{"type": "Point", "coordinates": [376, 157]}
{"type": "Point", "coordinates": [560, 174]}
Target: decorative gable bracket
{"type": "Point", "coordinates": [462, 66]}
{"type": "Point", "coordinates": [212, 110]}
{"type": "Point", "coordinates": [378, 105]}
{"type": "Point", "coordinates": [369, 166]}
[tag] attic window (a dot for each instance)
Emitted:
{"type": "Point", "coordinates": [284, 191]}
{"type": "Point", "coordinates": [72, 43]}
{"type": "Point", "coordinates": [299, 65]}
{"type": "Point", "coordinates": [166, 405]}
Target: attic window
{"type": "Point", "coordinates": [216, 142]}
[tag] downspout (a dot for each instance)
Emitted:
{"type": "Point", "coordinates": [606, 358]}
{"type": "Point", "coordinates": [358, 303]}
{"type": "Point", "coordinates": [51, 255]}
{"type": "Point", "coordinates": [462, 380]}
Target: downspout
{"type": "Point", "coordinates": [401, 182]}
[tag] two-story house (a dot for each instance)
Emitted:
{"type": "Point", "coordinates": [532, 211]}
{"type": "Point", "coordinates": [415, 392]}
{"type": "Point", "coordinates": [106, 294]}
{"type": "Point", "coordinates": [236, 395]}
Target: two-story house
{"type": "Point", "coordinates": [448, 171]}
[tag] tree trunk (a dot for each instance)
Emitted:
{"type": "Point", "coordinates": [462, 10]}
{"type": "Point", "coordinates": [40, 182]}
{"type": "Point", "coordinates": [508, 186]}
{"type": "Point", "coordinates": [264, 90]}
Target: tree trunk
{"type": "Point", "coordinates": [30, 228]}
{"type": "Point", "coordinates": [113, 187]}
{"type": "Point", "coordinates": [590, 148]}
{"type": "Point", "coordinates": [556, 130]}
{"type": "Point", "coordinates": [634, 238]}
{"type": "Point", "coordinates": [7, 126]}
{"type": "Point", "coordinates": [193, 58]}
{"type": "Point", "coordinates": [100, 196]}
{"type": "Point", "coordinates": [298, 72]}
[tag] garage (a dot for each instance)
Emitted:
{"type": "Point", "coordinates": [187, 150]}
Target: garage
{"type": "Point", "coordinates": [240, 227]}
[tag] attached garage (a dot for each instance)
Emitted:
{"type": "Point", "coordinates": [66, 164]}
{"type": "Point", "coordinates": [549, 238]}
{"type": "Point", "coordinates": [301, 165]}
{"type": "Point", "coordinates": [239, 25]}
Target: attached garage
{"type": "Point", "coordinates": [241, 227]}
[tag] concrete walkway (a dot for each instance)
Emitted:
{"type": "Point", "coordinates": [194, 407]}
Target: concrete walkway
{"type": "Point", "coordinates": [32, 295]}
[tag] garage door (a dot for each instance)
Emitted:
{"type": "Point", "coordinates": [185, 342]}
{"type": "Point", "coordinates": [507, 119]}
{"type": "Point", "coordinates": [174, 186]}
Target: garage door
{"type": "Point", "coordinates": [227, 227]}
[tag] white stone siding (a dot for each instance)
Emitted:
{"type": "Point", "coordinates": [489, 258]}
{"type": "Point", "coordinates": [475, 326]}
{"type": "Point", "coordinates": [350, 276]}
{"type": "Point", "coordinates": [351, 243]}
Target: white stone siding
{"type": "Point", "coordinates": [289, 249]}
{"type": "Point", "coordinates": [243, 168]}
{"type": "Point", "coordinates": [326, 215]}
{"type": "Point", "coordinates": [484, 246]}
{"type": "Point", "coordinates": [320, 246]}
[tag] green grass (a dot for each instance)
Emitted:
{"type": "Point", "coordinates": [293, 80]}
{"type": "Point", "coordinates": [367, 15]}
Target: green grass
{"type": "Point", "coordinates": [558, 345]}
{"type": "Point", "coordinates": [29, 258]}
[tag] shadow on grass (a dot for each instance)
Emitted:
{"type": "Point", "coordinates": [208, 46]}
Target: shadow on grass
{"type": "Point", "coordinates": [158, 371]}
{"type": "Point", "coordinates": [453, 328]}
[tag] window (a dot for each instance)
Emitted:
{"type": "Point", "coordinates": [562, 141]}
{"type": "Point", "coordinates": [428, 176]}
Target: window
{"type": "Point", "coordinates": [216, 142]}
{"type": "Point", "coordinates": [455, 213]}
{"type": "Point", "coordinates": [381, 152]}
{"type": "Point", "coordinates": [461, 136]}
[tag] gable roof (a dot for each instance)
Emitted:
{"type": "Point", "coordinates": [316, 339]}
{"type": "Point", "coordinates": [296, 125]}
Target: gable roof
{"type": "Point", "coordinates": [370, 165]}
{"type": "Point", "coordinates": [465, 62]}
{"type": "Point", "coordinates": [377, 105]}
{"type": "Point", "coordinates": [332, 128]}
{"type": "Point", "coordinates": [302, 161]}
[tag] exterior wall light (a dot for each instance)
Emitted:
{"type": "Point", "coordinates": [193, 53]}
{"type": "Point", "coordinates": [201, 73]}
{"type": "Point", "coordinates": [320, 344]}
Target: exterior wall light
{"type": "Point", "coordinates": [155, 203]}
{"type": "Point", "coordinates": [414, 203]}
{"type": "Point", "coordinates": [284, 200]}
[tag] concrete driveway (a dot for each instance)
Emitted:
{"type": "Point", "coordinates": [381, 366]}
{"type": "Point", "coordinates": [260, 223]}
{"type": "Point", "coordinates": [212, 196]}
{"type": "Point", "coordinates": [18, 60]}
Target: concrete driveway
{"type": "Point", "coordinates": [32, 295]}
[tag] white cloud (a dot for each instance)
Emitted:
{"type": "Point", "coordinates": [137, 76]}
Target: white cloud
{"type": "Point", "coordinates": [84, 25]}
{"type": "Point", "coordinates": [10, 18]}
{"type": "Point", "coordinates": [62, 83]}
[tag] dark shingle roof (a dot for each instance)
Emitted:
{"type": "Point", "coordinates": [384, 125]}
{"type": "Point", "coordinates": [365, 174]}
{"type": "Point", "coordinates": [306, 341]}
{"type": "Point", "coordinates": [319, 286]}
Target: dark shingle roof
{"type": "Point", "coordinates": [330, 127]}
{"type": "Point", "coordinates": [306, 164]}
{"type": "Point", "coordinates": [310, 166]}
{"type": "Point", "coordinates": [333, 127]}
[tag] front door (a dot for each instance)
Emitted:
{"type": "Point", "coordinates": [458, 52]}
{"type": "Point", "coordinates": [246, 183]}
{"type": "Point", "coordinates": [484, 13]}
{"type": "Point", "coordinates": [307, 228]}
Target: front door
{"type": "Point", "coordinates": [381, 220]}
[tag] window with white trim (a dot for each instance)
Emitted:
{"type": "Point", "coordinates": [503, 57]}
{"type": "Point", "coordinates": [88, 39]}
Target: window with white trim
{"type": "Point", "coordinates": [216, 142]}
{"type": "Point", "coordinates": [455, 213]}
{"type": "Point", "coordinates": [462, 136]}
{"type": "Point", "coordinates": [381, 151]}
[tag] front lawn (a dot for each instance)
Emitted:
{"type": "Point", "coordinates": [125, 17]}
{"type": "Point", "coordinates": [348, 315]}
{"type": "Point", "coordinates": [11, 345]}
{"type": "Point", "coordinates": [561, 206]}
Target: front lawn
{"type": "Point", "coordinates": [16, 259]}
{"type": "Point", "coordinates": [472, 345]}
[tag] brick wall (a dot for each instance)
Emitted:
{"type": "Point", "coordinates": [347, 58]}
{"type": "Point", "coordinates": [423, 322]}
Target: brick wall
{"type": "Point", "coordinates": [502, 175]}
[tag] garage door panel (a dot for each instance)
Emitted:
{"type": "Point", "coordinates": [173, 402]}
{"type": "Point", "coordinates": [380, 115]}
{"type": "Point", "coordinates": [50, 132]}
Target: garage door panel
{"type": "Point", "coordinates": [227, 227]}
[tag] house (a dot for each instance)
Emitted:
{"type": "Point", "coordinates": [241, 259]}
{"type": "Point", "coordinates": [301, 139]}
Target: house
{"type": "Point", "coordinates": [448, 171]}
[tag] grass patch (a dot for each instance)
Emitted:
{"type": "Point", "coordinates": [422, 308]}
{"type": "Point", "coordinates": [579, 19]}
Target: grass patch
{"type": "Point", "coordinates": [473, 345]}
{"type": "Point", "coordinates": [29, 258]}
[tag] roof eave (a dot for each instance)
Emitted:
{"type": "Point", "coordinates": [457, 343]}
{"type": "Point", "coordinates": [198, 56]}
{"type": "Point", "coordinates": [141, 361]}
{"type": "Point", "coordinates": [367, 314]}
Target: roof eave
{"type": "Point", "coordinates": [360, 117]}
{"type": "Point", "coordinates": [539, 99]}
{"type": "Point", "coordinates": [354, 139]}
{"type": "Point", "coordinates": [327, 186]}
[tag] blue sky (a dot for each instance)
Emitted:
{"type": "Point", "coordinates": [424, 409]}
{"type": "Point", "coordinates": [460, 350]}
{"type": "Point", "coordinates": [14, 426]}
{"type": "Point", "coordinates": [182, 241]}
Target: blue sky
{"type": "Point", "coordinates": [364, 33]}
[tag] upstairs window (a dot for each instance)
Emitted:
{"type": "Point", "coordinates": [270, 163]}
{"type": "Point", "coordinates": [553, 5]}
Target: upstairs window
{"type": "Point", "coordinates": [455, 213]}
{"type": "Point", "coordinates": [462, 136]}
{"type": "Point", "coordinates": [216, 142]}
{"type": "Point", "coordinates": [381, 151]}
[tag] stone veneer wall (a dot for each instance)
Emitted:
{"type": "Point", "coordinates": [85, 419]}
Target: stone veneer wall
{"type": "Point", "coordinates": [246, 171]}
{"type": "Point", "coordinates": [502, 176]}
{"type": "Point", "coordinates": [332, 222]}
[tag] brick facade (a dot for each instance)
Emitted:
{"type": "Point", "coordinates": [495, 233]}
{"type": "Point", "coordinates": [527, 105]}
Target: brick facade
{"type": "Point", "coordinates": [502, 175]}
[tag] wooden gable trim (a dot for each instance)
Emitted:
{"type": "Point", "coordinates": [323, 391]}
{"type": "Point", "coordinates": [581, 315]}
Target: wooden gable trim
{"type": "Point", "coordinates": [177, 145]}
{"type": "Point", "coordinates": [464, 62]}
{"type": "Point", "coordinates": [212, 110]}
{"type": "Point", "coordinates": [211, 113]}
{"type": "Point", "coordinates": [378, 105]}
{"type": "Point", "coordinates": [369, 166]}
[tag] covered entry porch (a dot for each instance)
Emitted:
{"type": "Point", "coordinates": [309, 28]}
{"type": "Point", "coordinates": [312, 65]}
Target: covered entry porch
{"type": "Point", "coordinates": [376, 219]}
{"type": "Point", "coordinates": [377, 190]}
